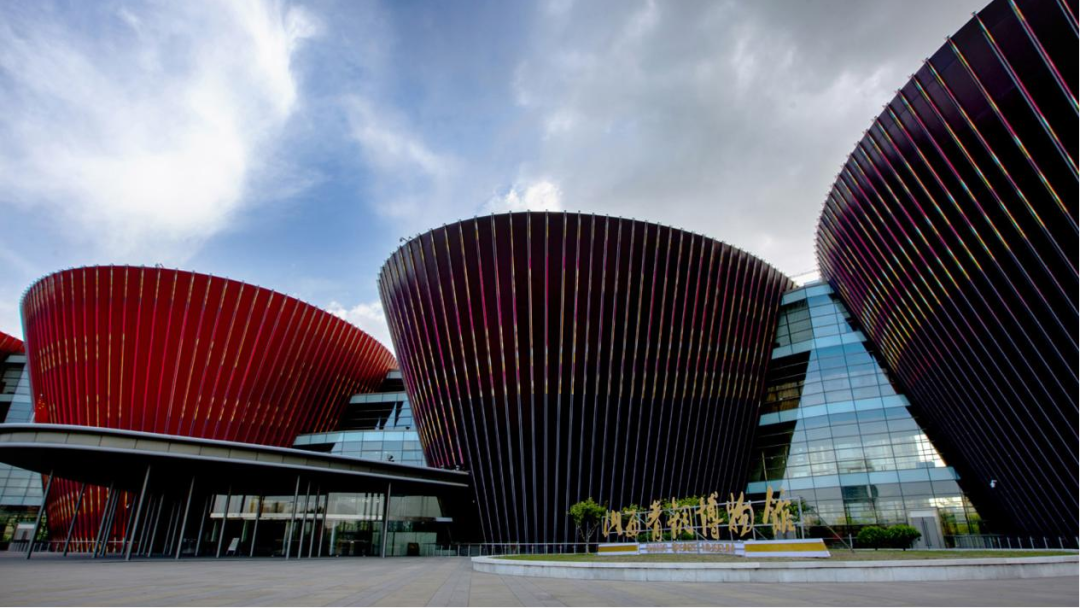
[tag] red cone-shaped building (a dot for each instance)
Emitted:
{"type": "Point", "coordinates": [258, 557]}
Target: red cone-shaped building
{"type": "Point", "coordinates": [183, 353]}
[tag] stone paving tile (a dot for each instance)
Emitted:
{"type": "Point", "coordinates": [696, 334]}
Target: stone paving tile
{"type": "Point", "coordinates": [451, 582]}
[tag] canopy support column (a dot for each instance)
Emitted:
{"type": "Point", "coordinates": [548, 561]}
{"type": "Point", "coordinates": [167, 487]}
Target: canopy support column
{"type": "Point", "coordinates": [385, 521]}
{"type": "Point", "coordinates": [292, 521]}
{"type": "Point", "coordinates": [40, 514]}
{"type": "Point", "coordinates": [202, 522]}
{"type": "Point", "coordinates": [224, 520]}
{"type": "Point", "coordinates": [138, 512]}
{"type": "Point", "coordinates": [74, 516]}
{"type": "Point", "coordinates": [183, 524]}
{"type": "Point", "coordinates": [255, 528]}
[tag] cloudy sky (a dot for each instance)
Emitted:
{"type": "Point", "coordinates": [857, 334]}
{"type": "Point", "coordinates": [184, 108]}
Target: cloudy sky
{"type": "Point", "coordinates": [291, 144]}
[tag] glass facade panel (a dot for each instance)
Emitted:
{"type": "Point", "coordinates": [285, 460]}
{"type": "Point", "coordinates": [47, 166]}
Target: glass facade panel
{"type": "Point", "coordinates": [20, 490]}
{"type": "Point", "coordinates": [335, 524]}
{"type": "Point", "coordinates": [834, 433]}
{"type": "Point", "coordinates": [375, 426]}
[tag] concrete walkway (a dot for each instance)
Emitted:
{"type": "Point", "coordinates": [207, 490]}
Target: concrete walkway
{"type": "Point", "coordinates": [451, 582]}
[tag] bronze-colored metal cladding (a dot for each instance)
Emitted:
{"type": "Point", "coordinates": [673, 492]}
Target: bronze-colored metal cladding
{"type": "Point", "coordinates": [951, 235]}
{"type": "Point", "coordinates": [562, 356]}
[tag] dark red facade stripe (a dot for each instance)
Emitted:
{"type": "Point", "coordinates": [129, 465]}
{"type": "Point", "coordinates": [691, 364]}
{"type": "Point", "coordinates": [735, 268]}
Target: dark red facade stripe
{"type": "Point", "coordinates": [562, 356]}
{"type": "Point", "coordinates": [951, 234]}
{"type": "Point", "coordinates": [173, 352]}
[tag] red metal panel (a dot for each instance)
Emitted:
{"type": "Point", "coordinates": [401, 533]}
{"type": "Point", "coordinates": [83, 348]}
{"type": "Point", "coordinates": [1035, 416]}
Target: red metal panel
{"type": "Point", "coordinates": [10, 344]}
{"type": "Point", "coordinates": [168, 351]}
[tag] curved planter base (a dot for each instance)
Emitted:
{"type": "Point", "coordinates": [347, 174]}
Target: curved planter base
{"type": "Point", "coordinates": [791, 572]}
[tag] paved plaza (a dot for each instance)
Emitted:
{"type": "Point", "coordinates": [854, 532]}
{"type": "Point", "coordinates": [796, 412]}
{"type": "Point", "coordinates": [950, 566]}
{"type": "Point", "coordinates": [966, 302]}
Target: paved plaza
{"type": "Point", "coordinates": [451, 582]}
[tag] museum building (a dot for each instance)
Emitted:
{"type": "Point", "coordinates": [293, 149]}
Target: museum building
{"type": "Point", "coordinates": [546, 358]}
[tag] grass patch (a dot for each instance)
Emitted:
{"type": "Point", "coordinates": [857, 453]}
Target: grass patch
{"type": "Point", "coordinates": [840, 556]}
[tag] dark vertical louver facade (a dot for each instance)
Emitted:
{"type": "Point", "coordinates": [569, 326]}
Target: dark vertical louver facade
{"type": "Point", "coordinates": [182, 353]}
{"type": "Point", "coordinates": [951, 234]}
{"type": "Point", "coordinates": [561, 356]}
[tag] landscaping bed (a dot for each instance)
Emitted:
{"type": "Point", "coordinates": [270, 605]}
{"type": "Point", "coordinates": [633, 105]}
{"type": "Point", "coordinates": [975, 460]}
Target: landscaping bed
{"type": "Point", "coordinates": [837, 555]}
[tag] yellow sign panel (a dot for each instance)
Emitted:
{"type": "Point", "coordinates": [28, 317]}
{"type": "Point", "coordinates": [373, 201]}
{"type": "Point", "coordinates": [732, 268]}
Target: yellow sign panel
{"type": "Point", "coordinates": [799, 547]}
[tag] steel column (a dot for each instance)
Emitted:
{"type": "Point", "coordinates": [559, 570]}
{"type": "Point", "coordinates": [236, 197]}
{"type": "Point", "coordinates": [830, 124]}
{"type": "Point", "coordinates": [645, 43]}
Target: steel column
{"type": "Point", "coordinates": [314, 522]}
{"type": "Point", "coordinates": [170, 531]}
{"type": "Point", "coordinates": [243, 522]}
{"type": "Point", "coordinates": [385, 522]}
{"type": "Point", "coordinates": [40, 514]}
{"type": "Point", "coordinates": [183, 524]}
{"type": "Point", "coordinates": [138, 512]}
{"type": "Point", "coordinates": [174, 528]}
{"type": "Point", "coordinates": [202, 522]}
{"type": "Point", "coordinates": [74, 516]}
{"type": "Point", "coordinates": [322, 529]}
{"type": "Point", "coordinates": [146, 523]}
{"type": "Point", "coordinates": [101, 524]}
{"type": "Point", "coordinates": [303, 521]}
{"type": "Point", "coordinates": [157, 524]}
{"type": "Point", "coordinates": [255, 528]}
{"type": "Point", "coordinates": [128, 536]}
{"type": "Point", "coordinates": [292, 521]}
{"type": "Point", "coordinates": [110, 518]}
{"type": "Point", "coordinates": [224, 521]}
{"type": "Point", "coordinates": [103, 527]}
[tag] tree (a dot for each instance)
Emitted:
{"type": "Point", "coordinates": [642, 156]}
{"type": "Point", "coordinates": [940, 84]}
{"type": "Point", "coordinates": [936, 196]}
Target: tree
{"type": "Point", "coordinates": [873, 537]}
{"type": "Point", "coordinates": [587, 516]}
{"type": "Point", "coordinates": [901, 536]}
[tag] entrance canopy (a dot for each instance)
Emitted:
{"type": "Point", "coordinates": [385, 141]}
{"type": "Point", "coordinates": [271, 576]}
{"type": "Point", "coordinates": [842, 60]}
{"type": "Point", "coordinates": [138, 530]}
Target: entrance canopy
{"type": "Point", "coordinates": [103, 457]}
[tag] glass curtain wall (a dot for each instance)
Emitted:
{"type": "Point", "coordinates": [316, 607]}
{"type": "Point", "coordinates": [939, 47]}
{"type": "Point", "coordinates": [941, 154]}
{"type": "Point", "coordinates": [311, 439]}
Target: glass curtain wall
{"type": "Point", "coordinates": [20, 490]}
{"type": "Point", "coordinates": [835, 432]}
{"type": "Point", "coordinates": [374, 426]}
{"type": "Point", "coordinates": [324, 525]}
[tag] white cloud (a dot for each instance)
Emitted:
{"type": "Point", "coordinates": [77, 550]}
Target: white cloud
{"type": "Point", "coordinates": [15, 264]}
{"type": "Point", "coordinates": [558, 7]}
{"type": "Point", "coordinates": [559, 122]}
{"type": "Point", "coordinates": [541, 195]}
{"type": "Point", "coordinates": [391, 146]}
{"type": "Point", "coordinates": [410, 177]}
{"type": "Point", "coordinates": [145, 142]}
{"type": "Point", "coordinates": [726, 118]}
{"type": "Point", "coordinates": [368, 317]}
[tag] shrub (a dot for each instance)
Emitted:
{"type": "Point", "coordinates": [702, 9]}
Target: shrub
{"type": "Point", "coordinates": [873, 537]}
{"type": "Point", "coordinates": [901, 536]}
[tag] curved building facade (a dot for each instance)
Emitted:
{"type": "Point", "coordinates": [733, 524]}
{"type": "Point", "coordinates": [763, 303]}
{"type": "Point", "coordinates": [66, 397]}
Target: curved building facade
{"type": "Point", "coordinates": [951, 234]}
{"type": "Point", "coordinates": [183, 353]}
{"type": "Point", "coordinates": [10, 345]}
{"type": "Point", "coordinates": [561, 356]}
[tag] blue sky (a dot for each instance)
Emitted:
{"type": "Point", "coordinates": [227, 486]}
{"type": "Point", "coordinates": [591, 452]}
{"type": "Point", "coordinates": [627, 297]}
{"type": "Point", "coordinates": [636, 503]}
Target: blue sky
{"type": "Point", "coordinates": [291, 144]}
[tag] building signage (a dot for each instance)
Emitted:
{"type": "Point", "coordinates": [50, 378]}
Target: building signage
{"type": "Point", "coordinates": [704, 520]}
{"type": "Point", "coordinates": [665, 530]}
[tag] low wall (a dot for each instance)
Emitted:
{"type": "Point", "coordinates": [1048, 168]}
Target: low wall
{"type": "Point", "coordinates": [790, 572]}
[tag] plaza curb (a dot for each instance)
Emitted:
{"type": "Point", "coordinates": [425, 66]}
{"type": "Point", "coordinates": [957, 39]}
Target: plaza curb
{"type": "Point", "coordinates": [791, 572]}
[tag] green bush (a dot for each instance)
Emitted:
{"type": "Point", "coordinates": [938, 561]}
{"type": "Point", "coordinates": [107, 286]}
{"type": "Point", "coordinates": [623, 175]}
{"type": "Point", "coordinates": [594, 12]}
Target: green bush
{"type": "Point", "coordinates": [901, 536]}
{"type": "Point", "coordinates": [871, 537]}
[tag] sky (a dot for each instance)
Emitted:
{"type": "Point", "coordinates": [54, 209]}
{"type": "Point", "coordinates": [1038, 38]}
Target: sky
{"type": "Point", "coordinates": [292, 145]}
